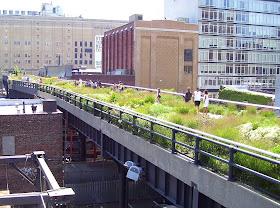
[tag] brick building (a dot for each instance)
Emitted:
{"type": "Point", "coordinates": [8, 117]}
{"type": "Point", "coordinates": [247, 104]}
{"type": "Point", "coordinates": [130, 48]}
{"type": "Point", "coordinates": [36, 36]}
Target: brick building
{"type": "Point", "coordinates": [24, 133]}
{"type": "Point", "coordinates": [160, 53]}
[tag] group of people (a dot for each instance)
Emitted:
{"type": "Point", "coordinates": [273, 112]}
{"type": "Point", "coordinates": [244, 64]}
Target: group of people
{"type": "Point", "coordinates": [120, 87]}
{"type": "Point", "coordinates": [88, 83]}
{"type": "Point", "coordinates": [196, 97]}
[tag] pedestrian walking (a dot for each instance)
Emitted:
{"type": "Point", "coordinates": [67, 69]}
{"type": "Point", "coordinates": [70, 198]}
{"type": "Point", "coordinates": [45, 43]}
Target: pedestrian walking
{"type": "Point", "coordinates": [158, 95]}
{"type": "Point", "coordinates": [197, 98]}
{"type": "Point", "coordinates": [188, 95]}
{"type": "Point", "coordinates": [205, 102]}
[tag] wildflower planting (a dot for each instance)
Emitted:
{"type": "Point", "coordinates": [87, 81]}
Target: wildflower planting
{"type": "Point", "coordinates": [250, 126]}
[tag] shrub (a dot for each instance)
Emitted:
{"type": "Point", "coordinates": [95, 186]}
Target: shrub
{"type": "Point", "coordinates": [229, 94]}
{"type": "Point", "coordinates": [183, 109]}
{"type": "Point", "coordinates": [156, 110]}
{"type": "Point", "coordinates": [114, 97]}
{"type": "Point", "coordinates": [150, 99]}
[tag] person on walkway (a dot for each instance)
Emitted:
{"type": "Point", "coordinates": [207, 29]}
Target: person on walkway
{"type": "Point", "coordinates": [80, 82]}
{"type": "Point", "coordinates": [197, 98]}
{"type": "Point", "coordinates": [205, 102]}
{"type": "Point", "coordinates": [121, 86]}
{"type": "Point", "coordinates": [188, 95]}
{"type": "Point", "coordinates": [158, 95]}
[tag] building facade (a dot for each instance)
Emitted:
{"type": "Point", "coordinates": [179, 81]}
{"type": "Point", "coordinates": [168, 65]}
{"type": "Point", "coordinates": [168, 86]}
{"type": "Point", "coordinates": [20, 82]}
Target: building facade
{"type": "Point", "coordinates": [239, 40]}
{"type": "Point", "coordinates": [31, 42]}
{"type": "Point", "coordinates": [160, 53]}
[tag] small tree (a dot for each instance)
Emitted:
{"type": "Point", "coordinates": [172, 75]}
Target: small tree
{"type": "Point", "coordinates": [16, 70]}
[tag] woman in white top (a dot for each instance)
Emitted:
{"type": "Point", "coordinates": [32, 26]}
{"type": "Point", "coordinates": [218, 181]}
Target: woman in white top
{"type": "Point", "coordinates": [205, 102]}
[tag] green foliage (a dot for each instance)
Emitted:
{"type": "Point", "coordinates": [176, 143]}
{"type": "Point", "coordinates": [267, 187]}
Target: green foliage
{"type": "Point", "coordinates": [183, 109]}
{"type": "Point", "coordinates": [16, 71]}
{"type": "Point", "coordinates": [156, 110]}
{"type": "Point", "coordinates": [150, 99]}
{"type": "Point", "coordinates": [229, 94]}
{"type": "Point", "coordinates": [114, 97]}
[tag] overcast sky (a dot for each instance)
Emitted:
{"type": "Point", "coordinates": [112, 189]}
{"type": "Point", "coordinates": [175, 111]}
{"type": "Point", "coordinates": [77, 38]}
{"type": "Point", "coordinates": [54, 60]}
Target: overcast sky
{"type": "Point", "coordinates": [94, 9]}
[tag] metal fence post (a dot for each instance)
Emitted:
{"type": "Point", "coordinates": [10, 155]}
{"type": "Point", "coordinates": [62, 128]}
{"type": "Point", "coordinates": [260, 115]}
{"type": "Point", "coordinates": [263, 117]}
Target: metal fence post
{"type": "Point", "coordinates": [197, 140]}
{"type": "Point", "coordinates": [94, 108]}
{"type": "Point", "coordinates": [120, 120]}
{"type": "Point", "coordinates": [81, 105]}
{"type": "Point", "coordinates": [151, 132]}
{"type": "Point", "coordinates": [230, 164]}
{"type": "Point", "coordinates": [86, 106]}
{"type": "Point", "coordinates": [75, 100]}
{"type": "Point", "coordinates": [173, 150]}
{"type": "Point", "coordinates": [109, 115]}
{"type": "Point", "coordinates": [101, 111]}
{"type": "Point", "coordinates": [133, 126]}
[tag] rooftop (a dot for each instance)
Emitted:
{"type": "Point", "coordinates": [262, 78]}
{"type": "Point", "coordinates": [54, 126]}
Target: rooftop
{"type": "Point", "coordinates": [18, 106]}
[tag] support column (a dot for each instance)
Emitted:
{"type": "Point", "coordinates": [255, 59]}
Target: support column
{"type": "Point", "coordinates": [123, 187]}
{"type": "Point", "coordinates": [82, 139]}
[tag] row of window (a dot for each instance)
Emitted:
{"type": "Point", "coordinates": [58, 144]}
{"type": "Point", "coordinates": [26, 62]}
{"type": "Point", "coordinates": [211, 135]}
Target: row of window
{"type": "Point", "coordinates": [239, 69]}
{"type": "Point", "coordinates": [246, 5]}
{"type": "Point", "coordinates": [239, 43]}
{"type": "Point", "coordinates": [81, 55]}
{"type": "Point", "coordinates": [87, 50]}
{"type": "Point", "coordinates": [240, 17]}
{"type": "Point", "coordinates": [83, 62]}
{"type": "Point", "coordinates": [85, 44]}
{"type": "Point", "coordinates": [239, 30]}
{"type": "Point", "coordinates": [238, 56]}
{"type": "Point", "coordinates": [252, 82]}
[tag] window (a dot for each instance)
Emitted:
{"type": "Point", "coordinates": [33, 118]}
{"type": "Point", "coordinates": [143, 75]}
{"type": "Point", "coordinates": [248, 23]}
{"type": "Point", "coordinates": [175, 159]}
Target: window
{"type": "Point", "coordinates": [76, 62]}
{"type": "Point", "coordinates": [90, 44]}
{"type": "Point", "coordinates": [90, 62]}
{"type": "Point", "coordinates": [85, 43]}
{"type": "Point", "coordinates": [37, 61]}
{"type": "Point", "coordinates": [88, 50]}
{"type": "Point", "coordinates": [76, 44]}
{"type": "Point", "coordinates": [188, 69]}
{"type": "Point", "coordinates": [81, 43]}
{"type": "Point", "coordinates": [188, 55]}
{"type": "Point", "coordinates": [81, 62]}
{"type": "Point", "coordinates": [85, 62]}
{"type": "Point", "coordinates": [6, 54]}
{"type": "Point", "coordinates": [81, 55]}
{"type": "Point", "coordinates": [38, 42]}
{"type": "Point", "coordinates": [76, 55]}
{"type": "Point", "coordinates": [76, 50]}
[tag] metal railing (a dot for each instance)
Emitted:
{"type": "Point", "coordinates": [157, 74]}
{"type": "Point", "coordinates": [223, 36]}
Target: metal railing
{"type": "Point", "coordinates": [232, 159]}
{"type": "Point", "coordinates": [213, 100]}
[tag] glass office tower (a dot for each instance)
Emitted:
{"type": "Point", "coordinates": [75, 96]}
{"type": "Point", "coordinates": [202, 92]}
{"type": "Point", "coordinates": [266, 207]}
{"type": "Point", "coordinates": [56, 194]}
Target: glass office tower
{"type": "Point", "coordinates": [239, 42]}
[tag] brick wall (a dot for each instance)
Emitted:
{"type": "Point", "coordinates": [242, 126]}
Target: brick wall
{"type": "Point", "coordinates": [118, 47]}
{"type": "Point", "coordinates": [32, 132]}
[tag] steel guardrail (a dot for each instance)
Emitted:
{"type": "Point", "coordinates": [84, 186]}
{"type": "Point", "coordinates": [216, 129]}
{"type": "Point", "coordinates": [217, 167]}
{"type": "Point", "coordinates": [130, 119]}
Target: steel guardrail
{"type": "Point", "coordinates": [113, 113]}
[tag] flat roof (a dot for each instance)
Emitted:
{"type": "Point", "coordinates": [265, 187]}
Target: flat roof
{"type": "Point", "coordinates": [16, 107]}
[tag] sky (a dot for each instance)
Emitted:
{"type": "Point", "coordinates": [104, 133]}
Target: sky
{"type": "Point", "coordinates": [94, 9]}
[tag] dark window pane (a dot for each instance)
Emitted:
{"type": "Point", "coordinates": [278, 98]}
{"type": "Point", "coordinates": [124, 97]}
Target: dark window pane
{"type": "Point", "coordinates": [188, 55]}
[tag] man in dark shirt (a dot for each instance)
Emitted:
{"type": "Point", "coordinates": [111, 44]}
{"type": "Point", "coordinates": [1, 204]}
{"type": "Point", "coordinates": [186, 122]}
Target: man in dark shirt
{"type": "Point", "coordinates": [188, 95]}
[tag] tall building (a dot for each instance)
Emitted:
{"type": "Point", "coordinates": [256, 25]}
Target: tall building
{"type": "Point", "coordinates": [31, 42]}
{"type": "Point", "coordinates": [239, 40]}
{"type": "Point", "coordinates": [160, 53]}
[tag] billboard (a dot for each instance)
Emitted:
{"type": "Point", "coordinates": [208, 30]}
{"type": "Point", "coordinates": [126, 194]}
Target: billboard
{"type": "Point", "coordinates": [98, 51]}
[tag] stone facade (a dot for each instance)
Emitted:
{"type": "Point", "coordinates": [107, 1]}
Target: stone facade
{"type": "Point", "coordinates": [160, 53]}
{"type": "Point", "coordinates": [31, 42]}
{"type": "Point", "coordinates": [31, 132]}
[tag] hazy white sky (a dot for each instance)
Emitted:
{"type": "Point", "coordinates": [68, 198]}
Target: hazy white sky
{"type": "Point", "coordinates": [94, 9]}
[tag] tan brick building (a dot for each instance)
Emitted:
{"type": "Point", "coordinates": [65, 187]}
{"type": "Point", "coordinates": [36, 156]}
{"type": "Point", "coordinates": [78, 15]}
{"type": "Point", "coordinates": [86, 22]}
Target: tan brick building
{"type": "Point", "coordinates": [160, 53]}
{"type": "Point", "coordinates": [31, 42]}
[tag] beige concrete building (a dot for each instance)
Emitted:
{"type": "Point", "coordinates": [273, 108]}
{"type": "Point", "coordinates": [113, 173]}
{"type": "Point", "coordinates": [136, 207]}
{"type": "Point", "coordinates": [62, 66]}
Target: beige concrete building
{"type": "Point", "coordinates": [31, 42]}
{"type": "Point", "coordinates": [166, 55]}
{"type": "Point", "coordinates": [160, 53]}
